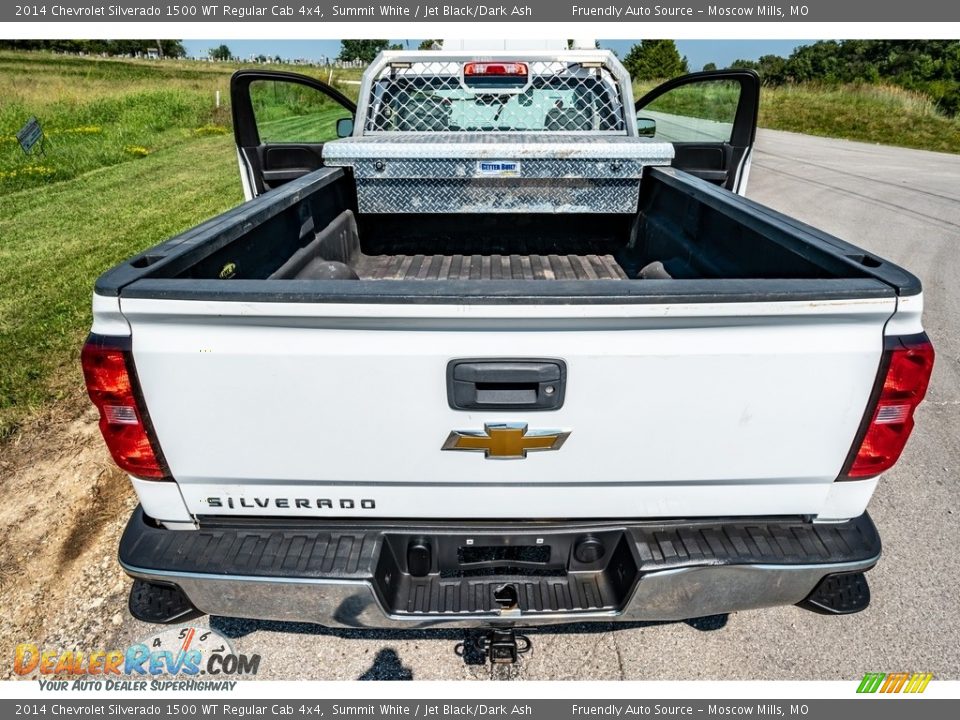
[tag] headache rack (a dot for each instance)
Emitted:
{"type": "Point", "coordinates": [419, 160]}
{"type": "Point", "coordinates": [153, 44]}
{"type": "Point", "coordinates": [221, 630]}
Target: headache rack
{"type": "Point", "coordinates": [445, 92]}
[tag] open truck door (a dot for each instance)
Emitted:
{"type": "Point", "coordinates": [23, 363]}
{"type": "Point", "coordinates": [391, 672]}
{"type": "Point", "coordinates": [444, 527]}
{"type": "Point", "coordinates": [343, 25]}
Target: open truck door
{"type": "Point", "coordinates": [711, 120]}
{"type": "Point", "coordinates": [280, 122]}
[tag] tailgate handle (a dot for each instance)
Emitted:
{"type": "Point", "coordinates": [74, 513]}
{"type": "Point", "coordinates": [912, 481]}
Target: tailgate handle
{"type": "Point", "coordinates": [506, 384]}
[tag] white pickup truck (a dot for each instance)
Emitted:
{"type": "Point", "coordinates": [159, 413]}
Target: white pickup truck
{"type": "Point", "coordinates": [511, 350]}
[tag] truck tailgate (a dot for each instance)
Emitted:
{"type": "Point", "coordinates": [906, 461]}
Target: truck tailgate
{"type": "Point", "coordinates": [687, 409]}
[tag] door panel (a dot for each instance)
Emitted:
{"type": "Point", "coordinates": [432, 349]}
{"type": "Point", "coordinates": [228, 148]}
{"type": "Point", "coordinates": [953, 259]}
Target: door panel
{"type": "Point", "coordinates": [711, 119]}
{"type": "Point", "coordinates": [281, 121]}
{"type": "Point", "coordinates": [705, 161]}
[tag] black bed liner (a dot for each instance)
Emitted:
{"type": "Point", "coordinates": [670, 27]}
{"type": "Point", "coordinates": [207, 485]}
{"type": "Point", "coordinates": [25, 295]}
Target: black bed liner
{"type": "Point", "coordinates": [181, 267]}
{"type": "Point", "coordinates": [336, 253]}
{"type": "Point", "coordinates": [489, 267]}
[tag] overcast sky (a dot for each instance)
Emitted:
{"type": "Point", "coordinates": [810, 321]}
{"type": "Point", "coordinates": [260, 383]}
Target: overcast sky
{"type": "Point", "coordinates": [698, 52]}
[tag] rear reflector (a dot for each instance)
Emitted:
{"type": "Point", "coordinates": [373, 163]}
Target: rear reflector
{"type": "Point", "coordinates": [497, 69]}
{"type": "Point", "coordinates": [905, 374]}
{"type": "Point", "coordinates": [112, 385]}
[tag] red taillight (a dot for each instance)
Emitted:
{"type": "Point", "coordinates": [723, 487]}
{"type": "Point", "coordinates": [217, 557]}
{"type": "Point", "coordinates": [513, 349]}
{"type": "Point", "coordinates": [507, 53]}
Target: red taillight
{"type": "Point", "coordinates": [500, 69]}
{"type": "Point", "coordinates": [111, 383]}
{"type": "Point", "coordinates": [909, 363]}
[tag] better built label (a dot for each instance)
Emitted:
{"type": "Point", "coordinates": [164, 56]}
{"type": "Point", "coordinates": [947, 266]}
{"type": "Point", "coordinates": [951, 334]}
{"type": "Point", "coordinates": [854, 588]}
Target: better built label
{"type": "Point", "coordinates": [498, 168]}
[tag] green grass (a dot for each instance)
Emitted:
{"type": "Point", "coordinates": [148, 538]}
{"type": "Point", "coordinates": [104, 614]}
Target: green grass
{"type": "Point", "coordinates": [870, 113]}
{"type": "Point", "coordinates": [319, 126]}
{"type": "Point", "coordinates": [286, 112]}
{"type": "Point", "coordinates": [57, 239]}
{"type": "Point", "coordinates": [96, 113]}
{"type": "Point", "coordinates": [136, 151]}
{"type": "Point", "coordinates": [882, 114]}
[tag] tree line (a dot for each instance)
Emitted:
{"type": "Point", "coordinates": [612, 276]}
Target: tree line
{"type": "Point", "coordinates": [169, 48]}
{"type": "Point", "coordinates": [931, 67]}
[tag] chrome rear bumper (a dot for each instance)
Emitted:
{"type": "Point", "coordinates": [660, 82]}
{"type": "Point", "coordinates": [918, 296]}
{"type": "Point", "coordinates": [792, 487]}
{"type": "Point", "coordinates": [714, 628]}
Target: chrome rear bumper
{"type": "Point", "coordinates": [356, 580]}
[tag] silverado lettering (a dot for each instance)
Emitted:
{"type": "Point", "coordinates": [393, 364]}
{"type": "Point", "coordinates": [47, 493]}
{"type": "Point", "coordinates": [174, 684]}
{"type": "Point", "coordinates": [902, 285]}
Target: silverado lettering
{"type": "Point", "coordinates": [286, 503]}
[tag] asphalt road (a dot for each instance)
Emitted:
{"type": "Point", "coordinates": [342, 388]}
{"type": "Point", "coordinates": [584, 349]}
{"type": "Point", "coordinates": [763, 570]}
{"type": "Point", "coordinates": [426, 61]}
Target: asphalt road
{"type": "Point", "coordinates": [903, 205]}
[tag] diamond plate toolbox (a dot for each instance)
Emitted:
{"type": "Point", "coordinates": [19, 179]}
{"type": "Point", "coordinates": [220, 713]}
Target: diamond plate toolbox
{"type": "Point", "coordinates": [496, 173]}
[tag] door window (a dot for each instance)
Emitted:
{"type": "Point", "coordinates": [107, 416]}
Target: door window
{"type": "Point", "coordinates": [695, 112]}
{"type": "Point", "coordinates": [288, 112]}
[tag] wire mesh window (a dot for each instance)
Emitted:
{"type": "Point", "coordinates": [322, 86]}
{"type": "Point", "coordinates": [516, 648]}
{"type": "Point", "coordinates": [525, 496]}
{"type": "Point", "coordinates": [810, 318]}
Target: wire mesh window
{"type": "Point", "coordinates": [553, 96]}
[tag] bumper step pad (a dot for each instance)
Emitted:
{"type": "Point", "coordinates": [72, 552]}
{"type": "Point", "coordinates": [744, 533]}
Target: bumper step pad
{"type": "Point", "coordinates": [160, 603]}
{"type": "Point", "coordinates": [469, 569]}
{"type": "Point", "coordinates": [840, 594]}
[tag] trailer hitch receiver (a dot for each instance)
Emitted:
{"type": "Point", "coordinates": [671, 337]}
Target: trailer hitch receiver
{"type": "Point", "coordinates": [499, 646]}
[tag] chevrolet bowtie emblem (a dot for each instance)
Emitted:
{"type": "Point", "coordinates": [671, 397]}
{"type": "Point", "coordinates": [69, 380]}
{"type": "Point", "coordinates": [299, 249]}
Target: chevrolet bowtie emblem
{"type": "Point", "coordinates": [505, 441]}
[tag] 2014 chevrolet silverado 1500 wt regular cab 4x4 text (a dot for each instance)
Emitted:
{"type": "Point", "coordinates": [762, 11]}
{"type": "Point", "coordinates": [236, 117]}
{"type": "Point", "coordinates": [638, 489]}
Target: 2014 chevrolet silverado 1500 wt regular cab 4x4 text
{"type": "Point", "coordinates": [511, 350]}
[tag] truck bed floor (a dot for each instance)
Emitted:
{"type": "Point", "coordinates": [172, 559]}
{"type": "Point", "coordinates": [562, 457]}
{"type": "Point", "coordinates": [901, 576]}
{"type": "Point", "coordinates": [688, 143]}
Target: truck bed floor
{"type": "Point", "coordinates": [488, 267]}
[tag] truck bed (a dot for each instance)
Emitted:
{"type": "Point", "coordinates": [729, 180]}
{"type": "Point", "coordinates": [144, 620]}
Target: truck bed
{"type": "Point", "coordinates": [307, 242]}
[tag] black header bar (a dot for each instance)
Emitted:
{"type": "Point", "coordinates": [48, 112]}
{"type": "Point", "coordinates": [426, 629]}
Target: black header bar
{"type": "Point", "coordinates": [300, 11]}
